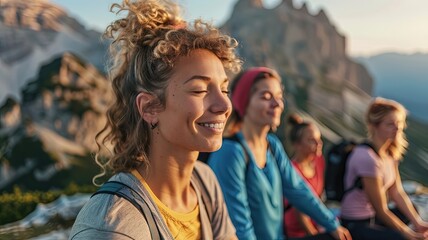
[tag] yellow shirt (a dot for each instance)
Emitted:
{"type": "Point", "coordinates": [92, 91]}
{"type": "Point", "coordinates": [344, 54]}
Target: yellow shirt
{"type": "Point", "coordinates": [181, 225]}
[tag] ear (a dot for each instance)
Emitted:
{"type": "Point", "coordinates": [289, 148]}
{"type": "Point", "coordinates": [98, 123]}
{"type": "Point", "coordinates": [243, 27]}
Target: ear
{"type": "Point", "coordinates": [143, 102]}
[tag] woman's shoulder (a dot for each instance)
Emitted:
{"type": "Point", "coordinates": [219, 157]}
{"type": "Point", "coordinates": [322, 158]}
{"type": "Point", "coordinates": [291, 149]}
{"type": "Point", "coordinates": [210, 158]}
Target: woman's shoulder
{"type": "Point", "coordinates": [109, 215]}
{"type": "Point", "coordinates": [232, 152]}
{"type": "Point", "coordinates": [274, 140]}
{"type": "Point", "coordinates": [363, 157]}
{"type": "Point", "coordinates": [204, 170]}
{"type": "Point", "coordinates": [364, 152]}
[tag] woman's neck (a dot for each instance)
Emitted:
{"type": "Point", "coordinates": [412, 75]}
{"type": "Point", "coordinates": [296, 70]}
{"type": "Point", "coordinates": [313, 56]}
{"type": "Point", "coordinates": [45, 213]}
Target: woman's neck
{"type": "Point", "coordinates": [380, 145]}
{"type": "Point", "coordinates": [168, 176]}
{"type": "Point", "coordinates": [254, 134]}
{"type": "Point", "coordinates": [306, 164]}
{"type": "Point", "coordinates": [256, 139]}
{"type": "Point", "coordinates": [303, 159]}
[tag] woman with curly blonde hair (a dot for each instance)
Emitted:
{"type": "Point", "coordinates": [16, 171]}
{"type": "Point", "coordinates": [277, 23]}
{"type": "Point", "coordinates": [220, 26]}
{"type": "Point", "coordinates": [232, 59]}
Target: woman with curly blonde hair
{"type": "Point", "coordinates": [170, 85]}
{"type": "Point", "coordinates": [365, 210]}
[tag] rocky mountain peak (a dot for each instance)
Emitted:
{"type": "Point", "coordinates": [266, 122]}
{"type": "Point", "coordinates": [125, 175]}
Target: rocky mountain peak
{"type": "Point", "coordinates": [322, 16]}
{"type": "Point", "coordinates": [35, 15]}
{"type": "Point", "coordinates": [306, 49]}
{"type": "Point", "coordinates": [35, 32]}
{"type": "Point", "coordinates": [246, 4]}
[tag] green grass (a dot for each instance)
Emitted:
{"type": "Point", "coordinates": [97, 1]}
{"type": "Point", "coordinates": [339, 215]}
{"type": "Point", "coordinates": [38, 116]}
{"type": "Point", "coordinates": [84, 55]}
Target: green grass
{"type": "Point", "coordinates": [18, 204]}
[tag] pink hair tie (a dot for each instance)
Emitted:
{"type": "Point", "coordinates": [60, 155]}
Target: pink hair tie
{"type": "Point", "coordinates": [241, 93]}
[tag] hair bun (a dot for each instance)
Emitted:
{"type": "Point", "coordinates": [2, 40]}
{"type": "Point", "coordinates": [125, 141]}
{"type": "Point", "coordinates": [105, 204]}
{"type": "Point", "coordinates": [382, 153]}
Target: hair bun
{"type": "Point", "coordinates": [146, 22]}
{"type": "Point", "coordinates": [295, 119]}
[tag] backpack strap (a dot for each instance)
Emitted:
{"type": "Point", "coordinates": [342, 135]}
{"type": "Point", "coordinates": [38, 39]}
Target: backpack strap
{"type": "Point", "coordinates": [124, 191]}
{"type": "Point", "coordinates": [203, 189]}
{"type": "Point", "coordinates": [235, 138]}
{"type": "Point", "coordinates": [358, 183]}
{"type": "Point", "coordinates": [289, 205]}
{"type": "Point", "coordinates": [203, 156]}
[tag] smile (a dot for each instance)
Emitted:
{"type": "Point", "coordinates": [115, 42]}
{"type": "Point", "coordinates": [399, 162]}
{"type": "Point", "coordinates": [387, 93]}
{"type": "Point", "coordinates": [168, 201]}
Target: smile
{"type": "Point", "coordinates": [218, 126]}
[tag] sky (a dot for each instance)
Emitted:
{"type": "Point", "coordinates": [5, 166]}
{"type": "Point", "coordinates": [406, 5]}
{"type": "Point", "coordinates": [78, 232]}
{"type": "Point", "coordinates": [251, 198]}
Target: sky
{"type": "Point", "coordinates": [371, 27]}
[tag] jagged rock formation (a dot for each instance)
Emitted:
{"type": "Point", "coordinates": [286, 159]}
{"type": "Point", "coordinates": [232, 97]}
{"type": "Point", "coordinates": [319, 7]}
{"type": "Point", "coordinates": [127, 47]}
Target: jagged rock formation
{"type": "Point", "coordinates": [306, 49]}
{"type": "Point", "coordinates": [33, 33]}
{"type": "Point", "coordinates": [55, 123]}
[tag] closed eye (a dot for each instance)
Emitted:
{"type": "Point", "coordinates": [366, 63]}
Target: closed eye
{"type": "Point", "coordinates": [200, 91]}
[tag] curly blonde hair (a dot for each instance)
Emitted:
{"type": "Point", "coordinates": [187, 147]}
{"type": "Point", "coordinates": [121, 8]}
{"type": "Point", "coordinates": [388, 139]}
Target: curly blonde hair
{"type": "Point", "coordinates": [378, 109]}
{"type": "Point", "coordinates": [145, 46]}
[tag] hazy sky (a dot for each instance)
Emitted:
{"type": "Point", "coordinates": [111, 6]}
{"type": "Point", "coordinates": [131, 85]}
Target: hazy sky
{"type": "Point", "coordinates": [371, 27]}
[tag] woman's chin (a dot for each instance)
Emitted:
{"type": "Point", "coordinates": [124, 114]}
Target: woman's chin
{"type": "Point", "coordinates": [213, 146]}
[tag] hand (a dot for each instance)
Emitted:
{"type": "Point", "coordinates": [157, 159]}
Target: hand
{"type": "Point", "coordinates": [412, 235]}
{"type": "Point", "coordinates": [341, 233]}
{"type": "Point", "coordinates": [421, 226]}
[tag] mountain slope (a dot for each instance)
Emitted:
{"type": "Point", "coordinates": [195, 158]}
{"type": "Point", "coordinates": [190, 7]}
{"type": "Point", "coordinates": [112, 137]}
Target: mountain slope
{"type": "Point", "coordinates": [32, 33]}
{"type": "Point", "coordinates": [47, 137]}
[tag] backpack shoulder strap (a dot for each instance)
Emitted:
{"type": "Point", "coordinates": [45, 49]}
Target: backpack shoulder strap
{"type": "Point", "coordinates": [289, 205]}
{"type": "Point", "coordinates": [358, 183]}
{"type": "Point", "coordinates": [370, 145]}
{"type": "Point", "coordinates": [124, 191]}
{"type": "Point", "coordinates": [235, 138]}
{"type": "Point", "coordinates": [203, 189]}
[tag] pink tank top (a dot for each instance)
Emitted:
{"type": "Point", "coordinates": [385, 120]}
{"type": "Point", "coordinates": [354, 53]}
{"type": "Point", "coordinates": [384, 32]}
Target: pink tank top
{"type": "Point", "coordinates": [364, 162]}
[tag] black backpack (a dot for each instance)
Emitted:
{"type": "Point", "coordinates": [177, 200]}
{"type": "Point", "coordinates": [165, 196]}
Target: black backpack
{"type": "Point", "coordinates": [337, 157]}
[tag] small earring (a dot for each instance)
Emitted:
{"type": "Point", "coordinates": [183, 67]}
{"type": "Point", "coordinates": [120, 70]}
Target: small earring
{"type": "Point", "coordinates": [154, 125]}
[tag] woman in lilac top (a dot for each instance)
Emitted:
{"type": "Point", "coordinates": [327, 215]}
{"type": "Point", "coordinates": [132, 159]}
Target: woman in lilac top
{"type": "Point", "coordinates": [365, 211]}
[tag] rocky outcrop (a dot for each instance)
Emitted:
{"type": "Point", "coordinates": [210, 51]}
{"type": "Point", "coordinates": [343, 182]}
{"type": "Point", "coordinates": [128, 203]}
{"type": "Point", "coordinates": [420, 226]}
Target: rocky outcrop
{"type": "Point", "coordinates": [306, 49]}
{"type": "Point", "coordinates": [33, 33]}
{"type": "Point", "coordinates": [55, 124]}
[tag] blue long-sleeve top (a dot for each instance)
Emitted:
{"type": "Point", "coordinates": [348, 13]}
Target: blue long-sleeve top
{"type": "Point", "coordinates": [254, 196]}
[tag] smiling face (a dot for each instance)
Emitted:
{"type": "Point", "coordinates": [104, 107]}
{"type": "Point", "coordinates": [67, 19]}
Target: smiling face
{"type": "Point", "coordinates": [266, 103]}
{"type": "Point", "coordinates": [197, 104]}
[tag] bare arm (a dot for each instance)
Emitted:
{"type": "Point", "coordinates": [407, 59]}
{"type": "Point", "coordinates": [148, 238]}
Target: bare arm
{"type": "Point", "coordinates": [306, 223]}
{"type": "Point", "coordinates": [376, 196]}
{"type": "Point", "coordinates": [234, 238]}
{"type": "Point", "coordinates": [404, 204]}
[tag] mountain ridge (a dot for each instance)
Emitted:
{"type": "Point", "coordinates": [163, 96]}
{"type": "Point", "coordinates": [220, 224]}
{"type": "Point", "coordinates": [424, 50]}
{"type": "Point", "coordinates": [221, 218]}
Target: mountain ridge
{"type": "Point", "coordinates": [402, 77]}
{"type": "Point", "coordinates": [32, 33]}
{"type": "Point", "coordinates": [47, 135]}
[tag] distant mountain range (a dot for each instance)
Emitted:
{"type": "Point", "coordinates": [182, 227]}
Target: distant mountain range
{"type": "Point", "coordinates": [402, 77]}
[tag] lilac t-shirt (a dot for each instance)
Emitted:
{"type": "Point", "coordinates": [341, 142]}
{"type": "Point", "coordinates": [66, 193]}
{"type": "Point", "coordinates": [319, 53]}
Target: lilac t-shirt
{"type": "Point", "coordinates": [364, 162]}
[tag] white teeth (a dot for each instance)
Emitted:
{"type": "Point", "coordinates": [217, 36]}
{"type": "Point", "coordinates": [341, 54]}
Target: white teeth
{"type": "Point", "coordinates": [213, 125]}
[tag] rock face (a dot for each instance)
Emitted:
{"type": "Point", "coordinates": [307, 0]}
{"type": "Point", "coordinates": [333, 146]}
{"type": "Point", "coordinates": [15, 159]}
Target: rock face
{"type": "Point", "coordinates": [47, 135]}
{"type": "Point", "coordinates": [32, 33]}
{"type": "Point", "coordinates": [306, 49]}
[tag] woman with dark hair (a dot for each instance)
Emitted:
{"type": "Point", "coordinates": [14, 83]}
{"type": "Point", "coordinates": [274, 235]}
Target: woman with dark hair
{"type": "Point", "coordinates": [171, 102]}
{"type": "Point", "coordinates": [308, 160]}
{"type": "Point", "coordinates": [365, 211]}
{"type": "Point", "coordinates": [254, 171]}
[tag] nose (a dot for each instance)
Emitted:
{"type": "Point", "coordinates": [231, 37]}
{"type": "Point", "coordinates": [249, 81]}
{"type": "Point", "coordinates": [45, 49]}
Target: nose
{"type": "Point", "coordinates": [277, 102]}
{"type": "Point", "coordinates": [220, 102]}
